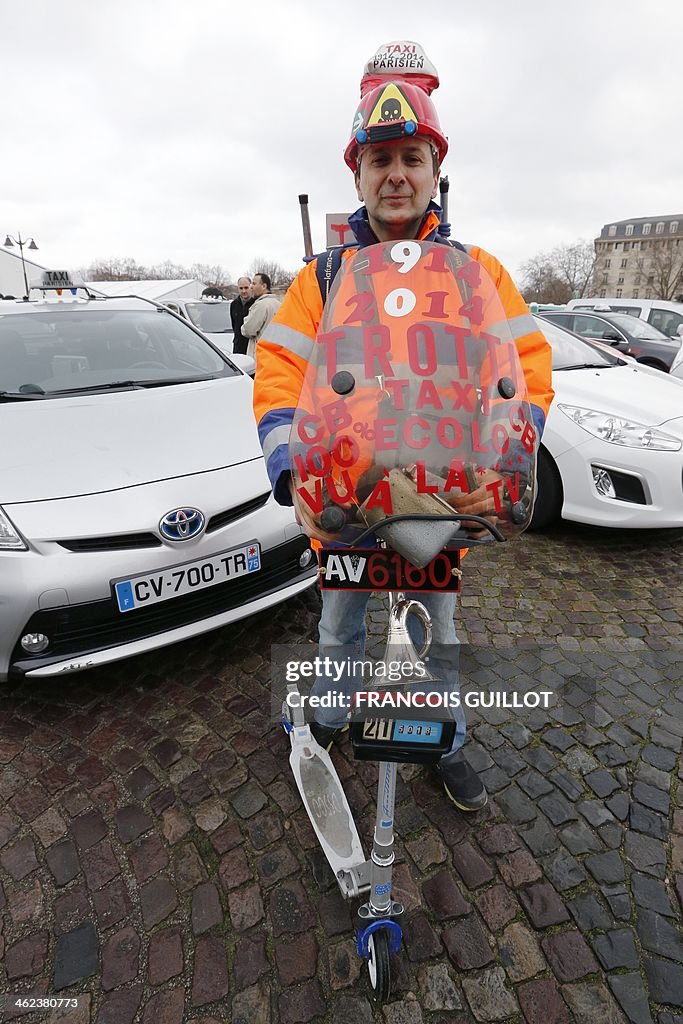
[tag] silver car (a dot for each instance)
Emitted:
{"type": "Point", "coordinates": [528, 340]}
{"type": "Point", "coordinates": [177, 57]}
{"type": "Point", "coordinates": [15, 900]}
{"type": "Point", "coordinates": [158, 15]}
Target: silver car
{"type": "Point", "coordinates": [135, 509]}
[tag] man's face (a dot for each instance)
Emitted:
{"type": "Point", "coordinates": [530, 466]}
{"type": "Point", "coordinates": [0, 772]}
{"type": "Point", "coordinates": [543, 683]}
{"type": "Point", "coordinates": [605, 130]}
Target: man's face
{"type": "Point", "coordinates": [396, 182]}
{"type": "Point", "coordinates": [244, 287]}
{"type": "Point", "coordinates": [257, 286]}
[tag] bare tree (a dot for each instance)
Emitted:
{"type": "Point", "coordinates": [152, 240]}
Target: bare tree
{"type": "Point", "coordinates": [213, 275]}
{"type": "Point", "coordinates": [666, 271]}
{"type": "Point", "coordinates": [575, 264]}
{"type": "Point", "coordinates": [128, 270]}
{"type": "Point", "coordinates": [564, 273]}
{"type": "Point", "coordinates": [280, 278]}
{"type": "Point", "coordinates": [168, 271]}
{"type": "Point", "coordinates": [118, 269]}
{"type": "Point", "coordinates": [541, 283]}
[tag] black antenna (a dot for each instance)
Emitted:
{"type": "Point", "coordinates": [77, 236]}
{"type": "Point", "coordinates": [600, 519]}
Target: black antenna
{"type": "Point", "coordinates": [306, 226]}
{"type": "Point", "coordinates": [443, 197]}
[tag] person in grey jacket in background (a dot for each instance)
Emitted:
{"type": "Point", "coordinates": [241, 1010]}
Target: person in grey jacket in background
{"type": "Point", "coordinates": [261, 313]}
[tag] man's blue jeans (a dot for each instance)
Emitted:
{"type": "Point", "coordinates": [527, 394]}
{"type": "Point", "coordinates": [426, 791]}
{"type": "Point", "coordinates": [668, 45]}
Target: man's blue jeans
{"type": "Point", "coordinates": [342, 634]}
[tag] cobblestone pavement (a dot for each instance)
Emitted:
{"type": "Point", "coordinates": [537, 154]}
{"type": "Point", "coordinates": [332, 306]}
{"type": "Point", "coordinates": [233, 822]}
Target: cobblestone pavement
{"type": "Point", "coordinates": [155, 859]}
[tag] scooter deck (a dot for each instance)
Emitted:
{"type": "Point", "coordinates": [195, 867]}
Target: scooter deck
{"type": "Point", "coordinates": [325, 801]}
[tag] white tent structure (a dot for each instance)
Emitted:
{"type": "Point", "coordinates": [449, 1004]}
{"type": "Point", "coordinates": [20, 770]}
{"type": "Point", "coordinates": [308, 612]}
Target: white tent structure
{"type": "Point", "coordinates": [12, 274]}
{"type": "Point", "coordinates": [158, 291]}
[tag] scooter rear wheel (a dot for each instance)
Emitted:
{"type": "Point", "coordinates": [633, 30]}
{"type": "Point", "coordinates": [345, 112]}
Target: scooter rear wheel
{"type": "Point", "coordinates": [379, 967]}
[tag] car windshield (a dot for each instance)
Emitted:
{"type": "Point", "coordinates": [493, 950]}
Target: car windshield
{"type": "Point", "coordinates": [69, 350]}
{"type": "Point", "coordinates": [210, 317]}
{"type": "Point", "coordinates": [636, 328]}
{"type": "Point", "coordinates": [570, 352]}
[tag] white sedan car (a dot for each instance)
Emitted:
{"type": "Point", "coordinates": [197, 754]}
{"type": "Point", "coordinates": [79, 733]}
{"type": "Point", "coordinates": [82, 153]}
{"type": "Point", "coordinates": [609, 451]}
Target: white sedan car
{"type": "Point", "coordinates": [677, 365]}
{"type": "Point", "coordinates": [212, 318]}
{"type": "Point", "coordinates": [612, 449]}
{"type": "Point", "coordinates": [135, 508]}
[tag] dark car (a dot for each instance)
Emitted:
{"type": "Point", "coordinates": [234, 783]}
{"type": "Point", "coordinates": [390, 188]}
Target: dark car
{"type": "Point", "coordinates": [625, 333]}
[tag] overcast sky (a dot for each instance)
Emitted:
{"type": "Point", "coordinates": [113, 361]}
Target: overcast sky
{"type": "Point", "coordinates": [184, 132]}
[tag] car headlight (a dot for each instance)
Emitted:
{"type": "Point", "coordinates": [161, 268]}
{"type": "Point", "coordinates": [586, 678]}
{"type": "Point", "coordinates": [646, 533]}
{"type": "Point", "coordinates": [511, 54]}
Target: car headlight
{"type": "Point", "coordinates": [617, 430]}
{"type": "Point", "coordinates": [9, 538]}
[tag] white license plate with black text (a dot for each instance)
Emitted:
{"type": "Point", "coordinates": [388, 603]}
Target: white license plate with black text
{"type": "Point", "coordinates": [164, 584]}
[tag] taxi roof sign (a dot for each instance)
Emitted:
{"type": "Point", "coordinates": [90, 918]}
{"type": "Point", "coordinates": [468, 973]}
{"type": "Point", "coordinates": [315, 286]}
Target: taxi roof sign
{"type": "Point", "coordinates": [56, 279]}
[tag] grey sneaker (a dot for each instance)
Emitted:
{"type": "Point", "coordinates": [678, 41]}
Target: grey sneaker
{"type": "Point", "coordinates": [462, 784]}
{"type": "Point", "coordinates": [326, 735]}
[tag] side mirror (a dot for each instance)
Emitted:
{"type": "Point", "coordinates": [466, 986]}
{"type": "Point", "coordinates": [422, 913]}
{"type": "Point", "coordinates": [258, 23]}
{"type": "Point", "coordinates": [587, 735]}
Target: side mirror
{"type": "Point", "coordinates": [614, 339]}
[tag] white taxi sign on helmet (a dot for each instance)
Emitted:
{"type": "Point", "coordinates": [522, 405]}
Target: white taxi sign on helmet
{"type": "Point", "coordinates": [402, 57]}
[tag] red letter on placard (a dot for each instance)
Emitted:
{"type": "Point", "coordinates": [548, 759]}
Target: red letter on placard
{"type": "Point", "coordinates": [380, 495]}
{"type": "Point", "coordinates": [449, 432]}
{"type": "Point", "coordinates": [374, 262]}
{"type": "Point", "coordinates": [376, 345]}
{"type": "Point", "coordinates": [365, 308]}
{"type": "Point", "coordinates": [314, 501]}
{"type": "Point", "coordinates": [421, 480]}
{"type": "Point", "coordinates": [408, 437]}
{"type": "Point", "coordinates": [342, 230]}
{"type": "Point", "coordinates": [477, 443]}
{"type": "Point", "coordinates": [473, 309]}
{"type": "Point", "coordinates": [528, 437]}
{"type": "Point", "coordinates": [329, 341]}
{"type": "Point", "coordinates": [512, 488]}
{"type": "Point", "coordinates": [304, 423]}
{"type": "Point", "coordinates": [386, 438]}
{"type": "Point", "coordinates": [397, 388]}
{"type": "Point", "coordinates": [437, 305]}
{"type": "Point", "coordinates": [300, 468]}
{"type": "Point", "coordinates": [464, 396]}
{"type": "Point", "coordinates": [500, 438]}
{"type": "Point", "coordinates": [420, 339]}
{"type": "Point", "coordinates": [437, 260]}
{"type": "Point", "coordinates": [325, 465]}
{"type": "Point", "coordinates": [459, 334]}
{"type": "Point", "coordinates": [470, 273]}
{"type": "Point", "coordinates": [457, 477]}
{"type": "Point", "coordinates": [336, 416]}
{"type": "Point", "coordinates": [349, 492]}
{"type": "Point", "coordinates": [428, 395]}
{"type": "Point", "coordinates": [494, 489]}
{"type": "Point", "coordinates": [337, 451]}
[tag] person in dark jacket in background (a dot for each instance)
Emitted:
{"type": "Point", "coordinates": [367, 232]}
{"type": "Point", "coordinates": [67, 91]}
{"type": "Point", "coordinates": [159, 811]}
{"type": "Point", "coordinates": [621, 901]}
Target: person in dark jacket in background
{"type": "Point", "coordinates": [239, 307]}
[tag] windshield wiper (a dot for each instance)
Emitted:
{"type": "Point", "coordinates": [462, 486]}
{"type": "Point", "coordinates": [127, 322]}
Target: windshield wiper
{"type": "Point", "coordinates": [133, 384]}
{"type": "Point", "coordinates": [588, 366]}
{"type": "Point", "coordinates": [19, 396]}
{"type": "Point", "coordinates": [173, 380]}
{"type": "Point", "coordinates": [99, 387]}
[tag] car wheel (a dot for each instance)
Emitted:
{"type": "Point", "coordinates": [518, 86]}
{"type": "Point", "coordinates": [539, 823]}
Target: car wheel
{"type": "Point", "coordinates": [550, 496]}
{"type": "Point", "coordinates": [654, 364]}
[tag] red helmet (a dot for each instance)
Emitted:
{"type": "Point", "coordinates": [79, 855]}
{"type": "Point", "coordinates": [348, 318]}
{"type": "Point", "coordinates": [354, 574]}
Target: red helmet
{"type": "Point", "coordinates": [394, 110]}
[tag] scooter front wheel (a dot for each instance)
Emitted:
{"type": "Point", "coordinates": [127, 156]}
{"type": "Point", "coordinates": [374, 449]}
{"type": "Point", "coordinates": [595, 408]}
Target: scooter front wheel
{"type": "Point", "coordinates": [379, 967]}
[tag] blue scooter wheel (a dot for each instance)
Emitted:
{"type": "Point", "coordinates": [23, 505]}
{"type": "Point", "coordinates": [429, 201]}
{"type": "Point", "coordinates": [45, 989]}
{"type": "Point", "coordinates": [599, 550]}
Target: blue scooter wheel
{"type": "Point", "coordinates": [379, 966]}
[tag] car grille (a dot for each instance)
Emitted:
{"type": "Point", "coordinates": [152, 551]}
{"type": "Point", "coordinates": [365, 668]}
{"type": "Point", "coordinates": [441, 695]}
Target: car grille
{"type": "Point", "coordinates": [231, 514]}
{"type": "Point", "coordinates": [129, 541]}
{"type": "Point", "coordinates": [77, 630]}
{"type": "Point", "coordinates": [122, 542]}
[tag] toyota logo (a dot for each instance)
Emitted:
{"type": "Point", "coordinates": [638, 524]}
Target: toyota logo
{"type": "Point", "coordinates": [182, 524]}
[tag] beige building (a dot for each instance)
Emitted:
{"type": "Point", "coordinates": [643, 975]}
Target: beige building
{"type": "Point", "coordinates": [640, 258]}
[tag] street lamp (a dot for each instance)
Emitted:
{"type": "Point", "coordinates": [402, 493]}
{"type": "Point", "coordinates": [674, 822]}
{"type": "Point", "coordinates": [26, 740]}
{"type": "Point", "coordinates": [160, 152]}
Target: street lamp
{"type": "Point", "coordinates": [11, 241]}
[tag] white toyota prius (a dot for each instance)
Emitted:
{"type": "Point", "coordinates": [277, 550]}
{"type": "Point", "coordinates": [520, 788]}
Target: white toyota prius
{"type": "Point", "coordinates": [135, 508]}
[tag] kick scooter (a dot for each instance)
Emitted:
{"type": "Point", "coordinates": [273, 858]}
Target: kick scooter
{"type": "Point", "coordinates": [389, 740]}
